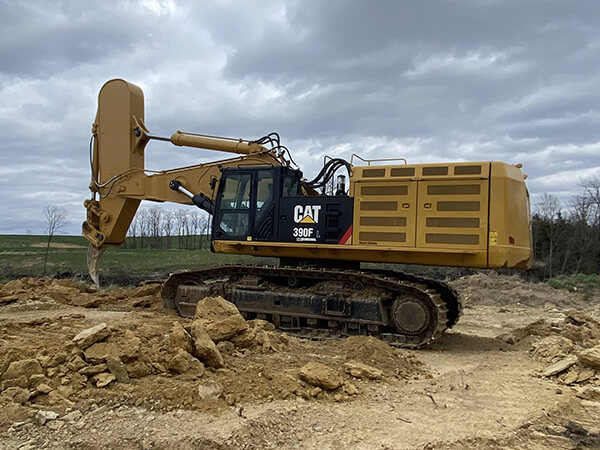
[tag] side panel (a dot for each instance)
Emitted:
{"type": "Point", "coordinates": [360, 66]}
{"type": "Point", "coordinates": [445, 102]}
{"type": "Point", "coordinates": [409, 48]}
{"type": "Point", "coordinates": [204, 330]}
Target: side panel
{"type": "Point", "coordinates": [510, 221]}
{"type": "Point", "coordinates": [385, 213]}
{"type": "Point", "coordinates": [453, 214]}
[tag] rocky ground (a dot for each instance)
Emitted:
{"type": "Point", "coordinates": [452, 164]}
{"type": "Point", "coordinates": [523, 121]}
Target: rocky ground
{"type": "Point", "coordinates": [87, 369]}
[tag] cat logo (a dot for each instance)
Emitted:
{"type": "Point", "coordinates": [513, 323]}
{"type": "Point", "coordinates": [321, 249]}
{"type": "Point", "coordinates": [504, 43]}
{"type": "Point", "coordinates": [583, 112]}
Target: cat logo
{"type": "Point", "coordinates": [306, 213]}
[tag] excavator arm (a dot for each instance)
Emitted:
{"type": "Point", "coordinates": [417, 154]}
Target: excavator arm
{"type": "Point", "coordinates": [119, 178]}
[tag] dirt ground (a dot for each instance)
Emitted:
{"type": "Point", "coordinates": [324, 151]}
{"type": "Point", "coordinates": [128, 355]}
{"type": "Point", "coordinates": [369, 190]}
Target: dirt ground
{"type": "Point", "coordinates": [518, 371]}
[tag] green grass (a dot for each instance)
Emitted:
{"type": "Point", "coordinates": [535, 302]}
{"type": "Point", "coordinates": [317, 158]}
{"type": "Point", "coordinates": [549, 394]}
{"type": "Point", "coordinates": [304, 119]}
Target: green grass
{"type": "Point", "coordinates": [24, 256]}
{"type": "Point", "coordinates": [587, 284]}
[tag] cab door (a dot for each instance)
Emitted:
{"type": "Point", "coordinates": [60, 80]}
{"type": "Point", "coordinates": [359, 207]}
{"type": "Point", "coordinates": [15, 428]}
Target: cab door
{"type": "Point", "coordinates": [232, 218]}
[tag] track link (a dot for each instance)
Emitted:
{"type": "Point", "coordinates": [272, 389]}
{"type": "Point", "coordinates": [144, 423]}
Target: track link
{"type": "Point", "coordinates": [322, 303]}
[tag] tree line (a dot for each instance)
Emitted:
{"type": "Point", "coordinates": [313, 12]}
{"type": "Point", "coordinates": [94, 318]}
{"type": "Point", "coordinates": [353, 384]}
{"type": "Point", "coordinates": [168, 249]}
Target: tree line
{"type": "Point", "coordinates": [566, 236]}
{"type": "Point", "coordinates": [159, 228]}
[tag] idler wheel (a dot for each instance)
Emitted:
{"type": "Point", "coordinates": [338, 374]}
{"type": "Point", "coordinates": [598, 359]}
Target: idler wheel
{"type": "Point", "coordinates": [411, 315]}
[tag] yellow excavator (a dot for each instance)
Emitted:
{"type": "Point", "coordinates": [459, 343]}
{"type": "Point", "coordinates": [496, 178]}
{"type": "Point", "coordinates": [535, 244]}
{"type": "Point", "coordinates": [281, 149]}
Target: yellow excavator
{"type": "Point", "coordinates": [460, 214]}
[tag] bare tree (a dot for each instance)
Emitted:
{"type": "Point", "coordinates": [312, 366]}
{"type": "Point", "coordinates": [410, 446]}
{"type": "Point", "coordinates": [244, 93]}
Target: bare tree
{"type": "Point", "coordinates": [154, 226]}
{"type": "Point", "coordinates": [181, 220]}
{"type": "Point", "coordinates": [167, 226]}
{"type": "Point", "coordinates": [55, 219]}
{"type": "Point", "coordinates": [549, 210]}
{"type": "Point", "coordinates": [591, 187]}
{"type": "Point", "coordinates": [203, 225]}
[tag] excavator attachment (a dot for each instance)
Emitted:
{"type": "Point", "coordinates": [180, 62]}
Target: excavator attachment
{"type": "Point", "coordinates": [119, 178]}
{"type": "Point", "coordinates": [93, 256]}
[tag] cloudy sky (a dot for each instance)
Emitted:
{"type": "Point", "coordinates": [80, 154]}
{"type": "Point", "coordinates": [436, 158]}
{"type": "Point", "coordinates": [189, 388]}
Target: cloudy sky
{"type": "Point", "coordinates": [513, 80]}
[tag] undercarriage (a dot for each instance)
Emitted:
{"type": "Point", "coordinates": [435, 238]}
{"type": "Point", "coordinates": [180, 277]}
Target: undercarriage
{"type": "Point", "coordinates": [319, 303]}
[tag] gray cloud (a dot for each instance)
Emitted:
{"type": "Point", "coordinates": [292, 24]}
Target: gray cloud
{"type": "Point", "coordinates": [455, 80]}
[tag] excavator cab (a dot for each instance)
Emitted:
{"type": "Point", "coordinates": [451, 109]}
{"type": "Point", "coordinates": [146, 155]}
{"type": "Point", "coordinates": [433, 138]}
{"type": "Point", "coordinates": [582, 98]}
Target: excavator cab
{"type": "Point", "coordinates": [265, 204]}
{"type": "Point", "coordinates": [248, 200]}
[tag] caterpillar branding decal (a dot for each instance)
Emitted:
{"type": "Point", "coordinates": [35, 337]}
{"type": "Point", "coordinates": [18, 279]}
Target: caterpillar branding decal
{"type": "Point", "coordinates": [306, 215]}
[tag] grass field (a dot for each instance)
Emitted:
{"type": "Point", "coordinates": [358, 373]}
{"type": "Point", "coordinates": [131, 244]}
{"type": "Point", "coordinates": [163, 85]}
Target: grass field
{"type": "Point", "coordinates": [24, 256]}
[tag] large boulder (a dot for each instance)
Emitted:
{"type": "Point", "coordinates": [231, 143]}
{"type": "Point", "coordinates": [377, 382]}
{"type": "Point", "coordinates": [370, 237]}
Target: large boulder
{"type": "Point", "coordinates": [591, 357]}
{"type": "Point", "coordinates": [91, 335]}
{"type": "Point", "coordinates": [26, 367]}
{"type": "Point", "coordinates": [204, 348]}
{"type": "Point", "coordinates": [321, 376]}
{"type": "Point", "coordinates": [220, 318]}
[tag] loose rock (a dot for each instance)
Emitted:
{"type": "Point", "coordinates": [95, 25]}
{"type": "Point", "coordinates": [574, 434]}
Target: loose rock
{"type": "Point", "coordinates": [360, 370]}
{"type": "Point", "coordinates": [560, 366]}
{"type": "Point", "coordinates": [118, 369]}
{"type": "Point", "coordinates": [590, 393]}
{"type": "Point", "coordinates": [15, 382]}
{"type": "Point", "coordinates": [91, 335]}
{"type": "Point", "coordinates": [103, 379]}
{"type": "Point", "coordinates": [73, 416]}
{"type": "Point", "coordinates": [220, 318]}
{"type": "Point", "coordinates": [204, 348]}
{"type": "Point", "coordinates": [76, 363]}
{"type": "Point", "coordinates": [248, 338]}
{"type": "Point", "coordinates": [180, 338]}
{"type": "Point", "coordinates": [16, 395]}
{"type": "Point", "coordinates": [41, 417]}
{"type": "Point", "coordinates": [227, 328]}
{"type": "Point", "coordinates": [271, 341]}
{"type": "Point", "coordinates": [183, 362]}
{"type": "Point", "coordinates": [210, 390]}
{"type": "Point", "coordinates": [89, 371]}
{"type": "Point", "coordinates": [321, 376]}
{"type": "Point", "coordinates": [43, 388]}
{"type": "Point", "coordinates": [552, 348]}
{"type": "Point", "coordinates": [591, 357]}
{"type": "Point", "coordinates": [26, 367]}
{"type": "Point", "coordinates": [35, 380]}
{"type": "Point", "coordinates": [97, 353]}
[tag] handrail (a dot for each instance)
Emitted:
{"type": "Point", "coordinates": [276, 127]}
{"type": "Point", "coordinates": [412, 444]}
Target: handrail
{"type": "Point", "coordinates": [369, 161]}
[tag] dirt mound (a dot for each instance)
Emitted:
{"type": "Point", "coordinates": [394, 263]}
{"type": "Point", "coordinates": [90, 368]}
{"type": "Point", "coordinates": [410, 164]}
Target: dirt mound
{"type": "Point", "coordinates": [372, 351]}
{"type": "Point", "coordinates": [47, 292]}
{"type": "Point", "coordinates": [143, 358]}
{"type": "Point", "coordinates": [576, 326]}
{"type": "Point", "coordinates": [571, 346]}
{"type": "Point", "coordinates": [490, 288]}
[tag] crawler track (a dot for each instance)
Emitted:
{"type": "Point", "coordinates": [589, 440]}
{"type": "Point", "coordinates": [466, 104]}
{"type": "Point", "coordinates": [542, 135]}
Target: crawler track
{"type": "Point", "coordinates": [318, 303]}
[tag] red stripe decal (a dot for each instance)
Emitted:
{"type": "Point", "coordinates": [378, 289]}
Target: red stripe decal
{"type": "Point", "coordinates": [346, 236]}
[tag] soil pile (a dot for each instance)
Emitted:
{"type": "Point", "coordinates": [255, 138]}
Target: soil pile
{"type": "Point", "coordinates": [371, 351]}
{"type": "Point", "coordinates": [571, 347]}
{"type": "Point", "coordinates": [144, 358]}
{"type": "Point", "coordinates": [46, 294]}
{"type": "Point", "coordinates": [490, 288]}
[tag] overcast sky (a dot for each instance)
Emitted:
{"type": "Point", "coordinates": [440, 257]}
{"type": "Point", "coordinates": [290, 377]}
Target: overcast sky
{"type": "Point", "coordinates": [516, 81]}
